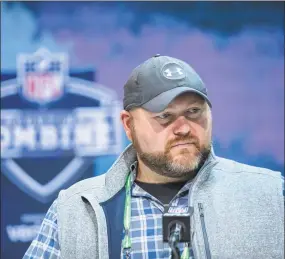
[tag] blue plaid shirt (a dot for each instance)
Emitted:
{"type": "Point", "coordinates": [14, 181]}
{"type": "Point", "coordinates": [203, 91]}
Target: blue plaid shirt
{"type": "Point", "coordinates": [146, 228]}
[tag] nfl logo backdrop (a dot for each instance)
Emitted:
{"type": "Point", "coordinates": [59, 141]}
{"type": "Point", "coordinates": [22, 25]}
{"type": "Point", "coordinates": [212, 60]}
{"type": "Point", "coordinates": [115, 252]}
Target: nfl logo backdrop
{"type": "Point", "coordinates": [54, 124]}
{"type": "Point", "coordinates": [42, 76]}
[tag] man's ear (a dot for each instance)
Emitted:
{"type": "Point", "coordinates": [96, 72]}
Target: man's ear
{"type": "Point", "coordinates": [126, 121]}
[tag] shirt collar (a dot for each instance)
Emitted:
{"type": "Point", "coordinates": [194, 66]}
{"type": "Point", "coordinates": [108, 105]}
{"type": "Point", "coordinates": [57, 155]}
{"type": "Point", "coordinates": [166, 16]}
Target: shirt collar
{"type": "Point", "coordinates": [139, 192]}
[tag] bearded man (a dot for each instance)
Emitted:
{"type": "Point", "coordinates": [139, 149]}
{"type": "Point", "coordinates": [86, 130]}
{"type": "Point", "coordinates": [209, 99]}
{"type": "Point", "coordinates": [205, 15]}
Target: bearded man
{"type": "Point", "coordinates": [238, 210]}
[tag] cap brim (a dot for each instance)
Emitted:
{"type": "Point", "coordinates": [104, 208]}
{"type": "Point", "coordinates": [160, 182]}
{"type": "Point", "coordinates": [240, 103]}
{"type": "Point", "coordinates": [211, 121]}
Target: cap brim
{"type": "Point", "coordinates": [160, 102]}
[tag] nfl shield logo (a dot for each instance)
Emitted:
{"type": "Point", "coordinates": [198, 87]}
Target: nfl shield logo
{"type": "Point", "coordinates": [42, 76]}
{"type": "Point", "coordinates": [46, 150]}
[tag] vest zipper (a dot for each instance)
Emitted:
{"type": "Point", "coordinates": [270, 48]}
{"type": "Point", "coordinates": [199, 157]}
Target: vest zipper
{"type": "Point", "coordinates": [205, 236]}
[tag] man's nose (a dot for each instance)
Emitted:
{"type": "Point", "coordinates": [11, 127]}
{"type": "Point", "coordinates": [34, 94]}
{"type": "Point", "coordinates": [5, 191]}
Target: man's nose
{"type": "Point", "coordinates": [181, 126]}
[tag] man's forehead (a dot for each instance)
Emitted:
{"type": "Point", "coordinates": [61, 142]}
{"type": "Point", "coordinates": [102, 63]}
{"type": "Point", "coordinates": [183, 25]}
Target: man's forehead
{"type": "Point", "coordinates": [186, 99]}
{"type": "Point", "coordinates": [180, 102]}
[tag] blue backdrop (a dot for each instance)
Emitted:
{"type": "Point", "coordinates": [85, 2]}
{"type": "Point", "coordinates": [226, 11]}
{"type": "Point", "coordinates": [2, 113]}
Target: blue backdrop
{"type": "Point", "coordinates": [236, 47]}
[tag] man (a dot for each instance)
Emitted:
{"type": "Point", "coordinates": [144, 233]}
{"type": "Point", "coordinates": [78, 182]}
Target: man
{"type": "Point", "coordinates": [238, 209]}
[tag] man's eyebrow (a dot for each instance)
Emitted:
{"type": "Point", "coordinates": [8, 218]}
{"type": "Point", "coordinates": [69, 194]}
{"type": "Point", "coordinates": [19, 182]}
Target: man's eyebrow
{"type": "Point", "coordinates": [173, 110]}
{"type": "Point", "coordinates": [187, 107]}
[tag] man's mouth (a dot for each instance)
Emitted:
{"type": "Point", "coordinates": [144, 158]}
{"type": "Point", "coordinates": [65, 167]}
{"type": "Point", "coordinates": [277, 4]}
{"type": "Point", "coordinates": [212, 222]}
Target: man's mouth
{"type": "Point", "coordinates": [182, 144]}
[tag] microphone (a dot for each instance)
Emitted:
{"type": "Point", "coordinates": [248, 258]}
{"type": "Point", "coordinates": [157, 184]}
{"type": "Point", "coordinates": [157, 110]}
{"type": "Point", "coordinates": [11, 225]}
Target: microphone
{"type": "Point", "coordinates": [176, 227]}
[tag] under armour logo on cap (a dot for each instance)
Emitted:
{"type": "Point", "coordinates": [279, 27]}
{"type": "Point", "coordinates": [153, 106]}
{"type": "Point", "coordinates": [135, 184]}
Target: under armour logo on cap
{"type": "Point", "coordinates": [173, 71]}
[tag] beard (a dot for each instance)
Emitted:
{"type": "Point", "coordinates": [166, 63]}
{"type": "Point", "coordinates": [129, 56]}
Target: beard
{"type": "Point", "coordinates": [185, 164]}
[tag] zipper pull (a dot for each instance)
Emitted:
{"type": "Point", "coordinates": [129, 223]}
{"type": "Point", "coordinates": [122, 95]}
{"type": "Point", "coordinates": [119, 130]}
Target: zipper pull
{"type": "Point", "coordinates": [201, 209]}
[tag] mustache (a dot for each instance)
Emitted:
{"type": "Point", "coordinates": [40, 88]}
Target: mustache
{"type": "Point", "coordinates": [184, 139]}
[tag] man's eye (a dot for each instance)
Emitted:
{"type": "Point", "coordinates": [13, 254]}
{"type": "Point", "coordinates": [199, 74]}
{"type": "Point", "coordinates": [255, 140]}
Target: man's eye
{"type": "Point", "coordinates": [193, 112]}
{"type": "Point", "coordinates": [164, 116]}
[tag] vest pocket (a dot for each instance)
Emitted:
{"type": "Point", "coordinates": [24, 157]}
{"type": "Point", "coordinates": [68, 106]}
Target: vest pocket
{"type": "Point", "coordinates": [205, 236]}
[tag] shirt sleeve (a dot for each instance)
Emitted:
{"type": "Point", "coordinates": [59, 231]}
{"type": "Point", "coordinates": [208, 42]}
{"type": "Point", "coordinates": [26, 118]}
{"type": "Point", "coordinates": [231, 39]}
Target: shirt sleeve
{"type": "Point", "coordinates": [46, 244]}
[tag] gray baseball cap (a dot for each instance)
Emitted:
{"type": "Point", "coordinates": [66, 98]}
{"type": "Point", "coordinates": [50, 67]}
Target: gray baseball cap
{"type": "Point", "coordinates": [157, 81]}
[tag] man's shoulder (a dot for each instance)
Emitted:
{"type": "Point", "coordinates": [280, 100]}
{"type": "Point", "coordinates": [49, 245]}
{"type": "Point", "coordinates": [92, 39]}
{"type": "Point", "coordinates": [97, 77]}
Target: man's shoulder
{"type": "Point", "coordinates": [232, 166]}
{"type": "Point", "coordinates": [94, 185]}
